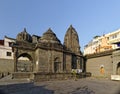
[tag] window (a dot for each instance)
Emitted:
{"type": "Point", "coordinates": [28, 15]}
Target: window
{"type": "Point", "coordinates": [114, 36]}
{"type": "Point", "coordinates": [8, 54]}
{"type": "Point", "coordinates": [10, 44]}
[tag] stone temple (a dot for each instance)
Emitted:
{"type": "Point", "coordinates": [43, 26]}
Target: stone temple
{"type": "Point", "coordinates": [46, 54]}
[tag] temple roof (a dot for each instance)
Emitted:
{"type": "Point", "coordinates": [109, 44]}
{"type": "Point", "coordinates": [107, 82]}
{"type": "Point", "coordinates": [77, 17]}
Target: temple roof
{"type": "Point", "coordinates": [49, 37]}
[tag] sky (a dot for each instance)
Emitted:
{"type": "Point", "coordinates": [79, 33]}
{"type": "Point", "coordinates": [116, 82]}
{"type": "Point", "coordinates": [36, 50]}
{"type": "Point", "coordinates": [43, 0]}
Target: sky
{"type": "Point", "coordinates": [88, 17]}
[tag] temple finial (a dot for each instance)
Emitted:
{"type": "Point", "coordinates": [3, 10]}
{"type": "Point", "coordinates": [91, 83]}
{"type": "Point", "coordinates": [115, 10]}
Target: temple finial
{"type": "Point", "coordinates": [24, 29]}
{"type": "Point", "coordinates": [71, 26]}
{"type": "Point", "coordinates": [49, 29]}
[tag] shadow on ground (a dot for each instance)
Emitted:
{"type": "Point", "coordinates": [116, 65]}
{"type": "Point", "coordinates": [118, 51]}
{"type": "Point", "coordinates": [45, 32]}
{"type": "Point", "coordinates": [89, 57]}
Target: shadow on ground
{"type": "Point", "coordinates": [83, 90]}
{"type": "Point", "coordinates": [24, 88]}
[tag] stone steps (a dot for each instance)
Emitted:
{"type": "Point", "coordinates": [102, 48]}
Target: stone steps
{"type": "Point", "coordinates": [7, 77]}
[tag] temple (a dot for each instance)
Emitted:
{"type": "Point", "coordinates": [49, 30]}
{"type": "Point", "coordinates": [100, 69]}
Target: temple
{"type": "Point", "coordinates": [46, 53]}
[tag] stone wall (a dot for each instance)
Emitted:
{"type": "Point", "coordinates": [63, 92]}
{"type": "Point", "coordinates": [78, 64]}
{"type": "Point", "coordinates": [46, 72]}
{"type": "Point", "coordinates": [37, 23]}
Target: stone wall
{"type": "Point", "coordinates": [47, 58]}
{"type": "Point", "coordinates": [94, 64]}
{"type": "Point", "coordinates": [68, 63]}
{"type": "Point", "coordinates": [6, 65]}
{"type": "Point", "coordinates": [43, 60]}
{"type": "Point", "coordinates": [51, 76]}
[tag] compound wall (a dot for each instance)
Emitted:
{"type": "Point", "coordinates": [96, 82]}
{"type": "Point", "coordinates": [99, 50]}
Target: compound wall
{"type": "Point", "coordinates": [100, 65]}
{"type": "Point", "coordinates": [6, 65]}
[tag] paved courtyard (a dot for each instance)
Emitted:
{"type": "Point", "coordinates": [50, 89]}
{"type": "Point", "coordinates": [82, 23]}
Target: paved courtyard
{"type": "Point", "coordinates": [81, 86]}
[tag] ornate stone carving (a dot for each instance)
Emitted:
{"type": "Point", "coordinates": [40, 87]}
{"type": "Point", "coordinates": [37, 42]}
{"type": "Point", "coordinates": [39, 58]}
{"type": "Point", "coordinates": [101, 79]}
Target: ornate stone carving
{"type": "Point", "coordinates": [24, 36]}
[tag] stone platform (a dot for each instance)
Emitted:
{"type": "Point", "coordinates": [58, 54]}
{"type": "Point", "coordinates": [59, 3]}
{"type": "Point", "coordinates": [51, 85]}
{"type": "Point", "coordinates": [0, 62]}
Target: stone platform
{"type": "Point", "coordinates": [48, 76]}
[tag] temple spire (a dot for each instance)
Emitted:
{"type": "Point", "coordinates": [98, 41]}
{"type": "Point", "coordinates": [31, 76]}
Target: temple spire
{"type": "Point", "coordinates": [24, 29]}
{"type": "Point", "coordinates": [71, 40]}
{"type": "Point", "coordinates": [71, 26]}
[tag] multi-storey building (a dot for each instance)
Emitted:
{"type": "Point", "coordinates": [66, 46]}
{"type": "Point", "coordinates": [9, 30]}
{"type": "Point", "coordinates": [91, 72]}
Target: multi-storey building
{"type": "Point", "coordinates": [5, 49]}
{"type": "Point", "coordinates": [103, 43]}
{"type": "Point", "coordinates": [114, 38]}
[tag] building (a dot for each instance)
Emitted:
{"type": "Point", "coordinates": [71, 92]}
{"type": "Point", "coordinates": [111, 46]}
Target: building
{"type": "Point", "coordinates": [5, 49]}
{"type": "Point", "coordinates": [103, 43]}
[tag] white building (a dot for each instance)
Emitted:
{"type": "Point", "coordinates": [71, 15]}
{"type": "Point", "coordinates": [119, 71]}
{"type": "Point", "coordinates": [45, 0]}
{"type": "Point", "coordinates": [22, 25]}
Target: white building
{"type": "Point", "coordinates": [114, 37]}
{"type": "Point", "coordinates": [6, 49]}
{"type": "Point", "coordinates": [91, 46]}
{"type": "Point", "coordinates": [103, 43]}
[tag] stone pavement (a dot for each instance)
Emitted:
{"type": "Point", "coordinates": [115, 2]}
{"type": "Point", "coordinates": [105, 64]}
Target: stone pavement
{"type": "Point", "coordinates": [81, 86]}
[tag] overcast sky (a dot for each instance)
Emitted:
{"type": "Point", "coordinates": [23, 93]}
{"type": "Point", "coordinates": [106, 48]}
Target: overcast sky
{"type": "Point", "coordinates": [88, 17]}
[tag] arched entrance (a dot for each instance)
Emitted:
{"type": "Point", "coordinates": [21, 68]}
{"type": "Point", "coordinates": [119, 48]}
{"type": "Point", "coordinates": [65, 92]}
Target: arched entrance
{"type": "Point", "coordinates": [57, 65]}
{"type": "Point", "coordinates": [25, 63]}
{"type": "Point", "coordinates": [118, 68]}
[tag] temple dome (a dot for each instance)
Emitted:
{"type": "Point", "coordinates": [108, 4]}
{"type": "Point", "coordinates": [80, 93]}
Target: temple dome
{"type": "Point", "coordinates": [24, 36]}
{"type": "Point", "coordinates": [49, 37]}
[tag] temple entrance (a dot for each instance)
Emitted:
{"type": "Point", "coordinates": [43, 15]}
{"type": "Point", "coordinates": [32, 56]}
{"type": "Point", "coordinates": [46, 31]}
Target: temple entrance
{"type": "Point", "coordinates": [57, 65]}
{"type": "Point", "coordinates": [74, 62]}
{"type": "Point", "coordinates": [118, 68]}
{"type": "Point", "coordinates": [24, 63]}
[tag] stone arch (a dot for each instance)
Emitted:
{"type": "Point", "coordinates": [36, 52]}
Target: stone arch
{"type": "Point", "coordinates": [118, 68]}
{"type": "Point", "coordinates": [57, 65]}
{"type": "Point", "coordinates": [26, 55]}
{"type": "Point", "coordinates": [24, 63]}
